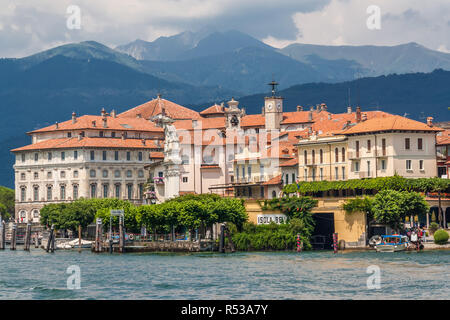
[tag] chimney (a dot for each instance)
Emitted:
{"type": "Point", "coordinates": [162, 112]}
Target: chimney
{"type": "Point", "coordinates": [103, 112]}
{"type": "Point", "coordinates": [74, 117]}
{"type": "Point", "coordinates": [310, 117]}
{"type": "Point", "coordinates": [94, 123]}
{"type": "Point", "coordinates": [299, 108]}
{"type": "Point", "coordinates": [105, 123]}
{"type": "Point", "coordinates": [329, 116]}
{"type": "Point", "coordinates": [364, 116]}
{"type": "Point", "coordinates": [56, 124]}
{"type": "Point", "coordinates": [143, 142]}
{"type": "Point", "coordinates": [309, 131]}
{"type": "Point", "coordinates": [163, 112]}
{"type": "Point", "coordinates": [311, 108]}
{"type": "Point", "coordinates": [430, 121]}
{"type": "Point", "coordinates": [113, 113]}
{"type": "Point", "coordinates": [263, 112]}
{"type": "Point", "coordinates": [222, 107]}
{"type": "Point", "coordinates": [139, 115]}
{"type": "Point", "coordinates": [318, 107]}
{"type": "Point", "coordinates": [123, 135]}
{"type": "Point", "coordinates": [349, 109]}
{"type": "Point", "coordinates": [79, 136]}
{"type": "Point", "coordinates": [194, 123]}
{"type": "Point", "coordinates": [324, 107]}
{"type": "Point", "coordinates": [358, 114]}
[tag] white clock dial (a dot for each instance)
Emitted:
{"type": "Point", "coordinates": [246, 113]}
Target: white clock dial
{"type": "Point", "coordinates": [269, 106]}
{"type": "Point", "coordinates": [279, 106]}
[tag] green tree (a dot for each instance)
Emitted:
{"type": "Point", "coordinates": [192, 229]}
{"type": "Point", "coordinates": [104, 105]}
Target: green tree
{"type": "Point", "coordinates": [387, 208]}
{"type": "Point", "coordinates": [7, 199]}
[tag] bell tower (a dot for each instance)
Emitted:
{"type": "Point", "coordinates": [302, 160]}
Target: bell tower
{"type": "Point", "coordinates": [273, 109]}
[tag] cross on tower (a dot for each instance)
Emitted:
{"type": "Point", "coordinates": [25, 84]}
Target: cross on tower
{"type": "Point", "coordinates": [273, 84]}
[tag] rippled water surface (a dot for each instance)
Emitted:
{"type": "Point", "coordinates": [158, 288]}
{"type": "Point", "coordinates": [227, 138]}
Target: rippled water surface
{"type": "Point", "coordinates": [256, 275]}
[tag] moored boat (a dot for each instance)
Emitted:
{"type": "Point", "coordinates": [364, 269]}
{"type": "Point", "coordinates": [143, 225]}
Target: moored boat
{"type": "Point", "coordinates": [392, 243]}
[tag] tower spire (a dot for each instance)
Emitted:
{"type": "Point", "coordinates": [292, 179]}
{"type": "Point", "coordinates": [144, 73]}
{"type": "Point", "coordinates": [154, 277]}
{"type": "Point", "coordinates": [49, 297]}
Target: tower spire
{"type": "Point", "coordinates": [273, 84]}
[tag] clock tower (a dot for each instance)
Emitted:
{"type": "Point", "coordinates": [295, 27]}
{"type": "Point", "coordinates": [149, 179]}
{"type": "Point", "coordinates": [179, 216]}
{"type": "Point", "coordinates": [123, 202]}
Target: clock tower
{"type": "Point", "coordinates": [273, 109]}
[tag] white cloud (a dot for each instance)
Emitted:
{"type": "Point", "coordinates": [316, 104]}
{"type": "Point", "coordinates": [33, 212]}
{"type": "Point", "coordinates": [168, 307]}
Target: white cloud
{"type": "Point", "coordinates": [344, 22]}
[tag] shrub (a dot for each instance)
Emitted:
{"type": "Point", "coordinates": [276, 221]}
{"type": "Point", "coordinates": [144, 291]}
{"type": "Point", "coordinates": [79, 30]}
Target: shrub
{"type": "Point", "coordinates": [433, 227]}
{"type": "Point", "coordinates": [440, 237]}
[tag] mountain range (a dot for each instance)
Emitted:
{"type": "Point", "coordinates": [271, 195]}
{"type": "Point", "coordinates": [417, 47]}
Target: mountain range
{"type": "Point", "coordinates": [196, 69]}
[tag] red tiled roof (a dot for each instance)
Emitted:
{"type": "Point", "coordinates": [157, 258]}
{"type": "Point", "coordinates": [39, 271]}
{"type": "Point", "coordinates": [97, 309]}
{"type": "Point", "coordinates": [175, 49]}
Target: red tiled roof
{"type": "Point", "coordinates": [204, 124]}
{"type": "Point", "coordinates": [443, 138]}
{"type": "Point", "coordinates": [118, 124]}
{"type": "Point", "coordinates": [66, 143]}
{"type": "Point", "coordinates": [156, 155]}
{"type": "Point", "coordinates": [274, 181]}
{"type": "Point", "coordinates": [204, 166]}
{"type": "Point", "coordinates": [290, 163]}
{"type": "Point", "coordinates": [154, 107]}
{"type": "Point", "coordinates": [389, 123]}
{"type": "Point", "coordinates": [213, 110]}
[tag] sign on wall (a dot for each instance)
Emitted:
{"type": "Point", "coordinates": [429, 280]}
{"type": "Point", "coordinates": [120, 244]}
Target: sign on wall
{"type": "Point", "coordinates": [268, 218]}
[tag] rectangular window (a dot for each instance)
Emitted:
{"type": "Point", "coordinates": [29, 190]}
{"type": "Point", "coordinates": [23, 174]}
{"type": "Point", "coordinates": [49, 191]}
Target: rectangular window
{"type": "Point", "coordinates": [140, 156]}
{"type": "Point", "coordinates": [36, 156]}
{"type": "Point", "coordinates": [128, 155]}
{"type": "Point", "coordinates": [113, 134]}
{"type": "Point", "coordinates": [104, 155]}
{"type": "Point", "coordinates": [368, 168]}
{"type": "Point", "coordinates": [117, 193]}
{"type": "Point", "coordinates": [383, 146]}
{"type": "Point", "coordinates": [49, 193]}
{"type": "Point", "coordinates": [116, 155]}
{"type": "Point", "coordinates": [69, 134]}
{"type": "Point", "coordinates": [63, 156]}
{"type": "Point", "coordinates": [314, 174]}
{"type": "Point", "coordinates": [383, 164]}
{"type": "Point", "coordinates": [23, 193]}
{"type": "Point", "coordinates": [343, 173]}
{"type": "Point", "coordinates": [249, 171]}
{"type": "Point", "coordinates": [305, 174]}
{"type": "Point", "coordinates": [49, 156]}
{"type": "Point", "coordinates": [185, 179]}
{"type": "Point", "coordinates": [62, 193]}
{"type": "Point", "coordinates": [237, 173]}
{"type": "Point", "coordinates": [130, 191]}
{"type": "Point", "coordinates": [23, 157]}
{"type": "Point", "coordinates": [357, 166]}
{"type": "Point", "coordinates": [75, 155]}
{"type": "Point", "coordinates": [105, 191]}
{"type": "Point", "coordinates": [36, 194]}
{"type": "Point", "coordinates": [286, 178]}
{"type": "Point", "coordinates": [101, 134]}
{"type": "Point", "coordinates": [141, 191]}
{"type": "Point", "coordinates": [357, 148]}
{"type": "Point", "coordinates": [336, 173]}
{"type": "Point", "coordinates": [369, 145]}
{"type": "Point", "coordinates": [293, 177]}
{"type": "Point", "coordinates": [421, 165]}
{"type": "Point", "coordinates": [407, 143]}
{"type": "Point", "coordinates": [93, 190]}
{"type": "Point", "coordinates": [408, 165]}
{"type": "Point", "coordinates": [321, 174]}
{"type": "Point", "coordinates": [75, 192]}
{"type": "Point", "coordinates": [49, 175]}
{"type": "Point", "coordinates": [92, 155]}
{"type": "Point", "coordinates": [420, 144]}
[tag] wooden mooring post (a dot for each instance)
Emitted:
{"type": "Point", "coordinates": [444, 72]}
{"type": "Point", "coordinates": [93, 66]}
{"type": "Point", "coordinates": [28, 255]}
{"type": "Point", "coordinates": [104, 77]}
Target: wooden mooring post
{"type": "Point", "coordinates": [36, 240]}
{"type": "Point", "coordinates": [27, 241]}
{"type": "Point", "coordinates": [79, 238]}
{"type": "Point", "coordinates": [51, 240]}
{"type": "Point", "coordinates": [121, 235]}
{"type": "Point", "coordinates": [98, 235]}
{"type": "Point", "coordinates": [222, 239]}
{"type": "Point", "coordinates": [13, 237]}
{"type": "Point", "coordinates": [3, 235]}
{"type": "Point", "coordinates": [335, 242]}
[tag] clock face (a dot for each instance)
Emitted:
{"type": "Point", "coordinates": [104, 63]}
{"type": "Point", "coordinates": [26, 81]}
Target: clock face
{"type": "Point", "coordinates": [269, 106]}
{"type": "Point", "coordinates": [234, 121]}
{"type": "Point", "coordinates": [278, 106]}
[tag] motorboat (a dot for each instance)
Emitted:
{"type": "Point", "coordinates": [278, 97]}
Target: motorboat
{"type": "Point", "coordinates": [74, 244]}
{"type": "Point", "coordinates": [392, 243]}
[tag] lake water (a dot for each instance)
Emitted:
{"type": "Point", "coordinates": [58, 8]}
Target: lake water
{"type": "Point", "coordinates": [255, 275]}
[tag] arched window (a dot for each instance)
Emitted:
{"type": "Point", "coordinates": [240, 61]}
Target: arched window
{"type": "Point", "coordinates": [343, 154]}
{"type": "Point", "coordinates": [130, 191]}
{"type": "Point", "coordinates": [117, 173]}
{"type": "Point", "coordinates": [105, 173]}
{"type": "Point", "coordinates": [75, 191]}
{"type": "Point", "coordinates": [49, 193]}
{"type": "Point", "coordinates": [129, 174]}
{"type": "Point", "coordinates": [321, 155]}
{"type": "Point", "coordinates": [274, 194]}
{"type": "Point", "coordinates": [305, 156]}
{"type": "Point", "coordinates": [336, 155]}
{"type": "Point", "coordinates": [62, 192]}
{"type": "Point", "coordinates": [92, 173]}
{"type": "Point", "coordinates": [93, 190]}
{"type": "Point", "coordinates": [23, 194]}
{"type": "Point", "coordinates": [141, 173]}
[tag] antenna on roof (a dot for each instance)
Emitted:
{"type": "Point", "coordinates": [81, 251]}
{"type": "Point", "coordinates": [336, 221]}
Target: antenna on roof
{"type": "Point", "coordinates": [405, 115]}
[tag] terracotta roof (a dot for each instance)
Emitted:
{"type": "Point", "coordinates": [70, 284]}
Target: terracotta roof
{"type": "Point", "coordinates": [443, 138]}
{"type": "Point", "coordinates": [204, 124]}
{"type": "Point", "coordinates": [96, 123]}
{"type": "Point", "coordinates": [67, 143]}
{"type": "Point", "coordinates": [156, 155]}
{"type": "Point", "coordinates": [213, 110]}
{"type": "Point", "coordinates": [204, 166]}
{"type": "Point", "coordinates": [389, 123]}
{"type": "Point", "coordinates": [274, 181]}
{"type": "Point", "coordinates": [154, 107]}
{"type": "Point", "coordinates": [290, 163]}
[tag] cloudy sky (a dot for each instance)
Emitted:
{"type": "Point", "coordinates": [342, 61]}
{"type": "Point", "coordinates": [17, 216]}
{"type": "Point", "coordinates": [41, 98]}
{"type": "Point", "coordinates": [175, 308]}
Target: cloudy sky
{"type": "Point", "coordinates": [28, 26]}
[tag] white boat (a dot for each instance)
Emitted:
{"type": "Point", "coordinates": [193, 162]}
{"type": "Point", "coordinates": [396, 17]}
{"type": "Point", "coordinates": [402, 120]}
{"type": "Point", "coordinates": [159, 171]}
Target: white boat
{"type": "Point", "coordinates": [392, 243]}
{"type": "Point", "coordinates": [74, 244]}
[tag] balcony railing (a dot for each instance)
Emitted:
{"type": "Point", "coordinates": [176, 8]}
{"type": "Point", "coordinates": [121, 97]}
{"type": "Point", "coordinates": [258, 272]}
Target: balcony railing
{"type": "Point", "coordinates": [158, 180]}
